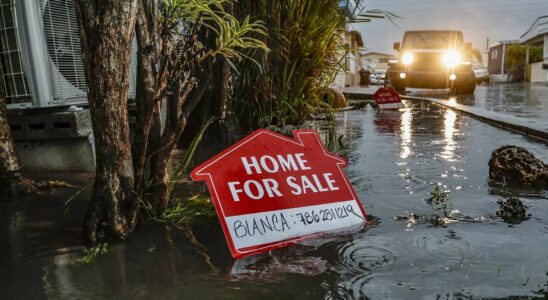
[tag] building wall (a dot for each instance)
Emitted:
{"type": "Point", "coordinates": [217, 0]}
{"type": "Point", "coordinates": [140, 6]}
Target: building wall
{"type": "Point", "coordinates": [494, 62]}
{"type": "Point", "coordinates": [352, 61]}
{"type": "Point", "coordinates": [537, 73]}
{"type": "Point", "coordinates": [380, 60]}
{"type": "Point", "coordinates": [546, 47]}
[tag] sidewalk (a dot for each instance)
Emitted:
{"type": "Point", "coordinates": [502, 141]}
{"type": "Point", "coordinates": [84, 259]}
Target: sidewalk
{"type": "Point", "coordinates": [360, 92]}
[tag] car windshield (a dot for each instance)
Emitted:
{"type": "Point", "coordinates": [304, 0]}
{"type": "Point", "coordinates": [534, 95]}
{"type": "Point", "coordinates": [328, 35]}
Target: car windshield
{"type": "Point", "coordinates": [432, 40]}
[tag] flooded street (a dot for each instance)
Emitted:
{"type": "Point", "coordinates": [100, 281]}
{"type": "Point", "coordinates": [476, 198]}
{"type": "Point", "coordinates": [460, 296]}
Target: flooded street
{"type": "Point", "coordinates": [396, 159]}
{"type": "Point", "coordinates": [526, 101]}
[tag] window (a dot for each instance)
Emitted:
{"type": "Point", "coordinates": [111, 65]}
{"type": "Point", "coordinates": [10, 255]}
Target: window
{"type": "Point", "coordinates": [383, 60]}
{"type": "Point", "coordinates": [494, 54]}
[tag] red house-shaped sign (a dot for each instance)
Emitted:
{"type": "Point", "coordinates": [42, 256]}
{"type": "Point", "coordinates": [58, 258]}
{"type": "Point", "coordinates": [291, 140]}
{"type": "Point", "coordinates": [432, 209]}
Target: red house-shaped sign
{"type": "Point", "coordinates": [271, 191]}
{"type": "Point", "coordinates": [388, 98]}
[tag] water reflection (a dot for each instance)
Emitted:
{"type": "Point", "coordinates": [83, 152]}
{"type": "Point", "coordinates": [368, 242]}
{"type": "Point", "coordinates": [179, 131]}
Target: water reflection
{"type": "Point", "coordinates": [387, 121]}
{"type": "Point", "coordinates": [405, 133]}
{"type": "Point", "coordinates": [450, 118]}
{"type": "Point", "coordinates": [276, 266]}
{"type": "Point", "coordinates": [524, 100]}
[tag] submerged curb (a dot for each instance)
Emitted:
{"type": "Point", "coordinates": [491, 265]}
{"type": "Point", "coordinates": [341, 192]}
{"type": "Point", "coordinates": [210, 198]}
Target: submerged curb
{"type": "Point", "coordinates": [493, 118]}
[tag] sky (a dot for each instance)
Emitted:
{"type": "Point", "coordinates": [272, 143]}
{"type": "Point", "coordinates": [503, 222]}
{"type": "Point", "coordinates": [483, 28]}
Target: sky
{"type": "Point", "coordinates": [477, 19]}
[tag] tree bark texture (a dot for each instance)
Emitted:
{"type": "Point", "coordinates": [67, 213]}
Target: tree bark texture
{"type": "Point", "coordinates": [12, 181]}
{"type": "Point", "coordinates": [106, 31]}
{"type": "Point", "coordinates": [148, 84]}
{"type": "Point", "coordinates": [175, 80]}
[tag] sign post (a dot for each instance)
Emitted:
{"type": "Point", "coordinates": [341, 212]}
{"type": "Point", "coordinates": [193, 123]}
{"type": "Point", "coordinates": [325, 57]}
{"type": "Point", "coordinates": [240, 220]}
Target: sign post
{"type": "Point", "coordinates": [271, 191]}
{"type": "Point", "coordinates": [388, 98]}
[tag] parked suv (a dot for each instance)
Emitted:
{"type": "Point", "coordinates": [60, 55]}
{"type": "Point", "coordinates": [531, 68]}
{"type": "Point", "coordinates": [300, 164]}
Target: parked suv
{"type": "Point", "coordinates": [435, 59]}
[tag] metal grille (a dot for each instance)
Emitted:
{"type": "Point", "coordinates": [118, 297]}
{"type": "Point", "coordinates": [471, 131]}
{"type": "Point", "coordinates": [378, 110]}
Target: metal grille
{"type": "Point", "coordinates": [63, 46]}
{"type": "Point", "coordinates": [15, 80]}
{"type": "Point", "coordinates": [427, 61]}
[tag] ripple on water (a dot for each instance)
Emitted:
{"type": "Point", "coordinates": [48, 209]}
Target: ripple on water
{"type": "Point", "coordinates": [336, 292]}
{"type": "Point", "coordinates": [357, 285]}
{"type": "Point", "coordinates": [442, 245]}
{"type": "Point", "coordinates": [359, 257]}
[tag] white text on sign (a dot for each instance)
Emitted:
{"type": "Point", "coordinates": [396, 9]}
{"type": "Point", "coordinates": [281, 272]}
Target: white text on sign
{"type": "Point", "coordinates": [269, 187]}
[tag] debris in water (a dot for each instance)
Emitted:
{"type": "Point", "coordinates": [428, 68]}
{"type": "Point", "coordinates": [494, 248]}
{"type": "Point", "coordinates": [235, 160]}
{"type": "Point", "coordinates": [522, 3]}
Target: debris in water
{"type": "Point", "coordinates": [512, 210]}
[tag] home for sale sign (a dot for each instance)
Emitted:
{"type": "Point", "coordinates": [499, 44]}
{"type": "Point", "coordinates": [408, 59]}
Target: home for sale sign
{"type": "Point", "coordinates": [271, 191]}
{"type": "Point", "coordinates": [388, 98]}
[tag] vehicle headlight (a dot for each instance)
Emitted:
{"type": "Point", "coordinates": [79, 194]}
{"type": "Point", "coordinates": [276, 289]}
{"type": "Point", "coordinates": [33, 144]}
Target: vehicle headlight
{"type": "Point", "coordinates": [407, 58]}
{"type": "Point", "coordinates": [451, 58]}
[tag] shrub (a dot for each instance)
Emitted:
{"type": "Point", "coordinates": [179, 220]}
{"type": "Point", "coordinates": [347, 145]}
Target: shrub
{"type": "Point", "coordinates": [289, 82]}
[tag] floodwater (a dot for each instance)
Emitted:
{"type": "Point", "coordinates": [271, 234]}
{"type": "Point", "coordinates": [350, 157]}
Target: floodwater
{"type": "Point", "coordinates": [528, 101]}
{"type": "Point", "coordinates": [396, 158]}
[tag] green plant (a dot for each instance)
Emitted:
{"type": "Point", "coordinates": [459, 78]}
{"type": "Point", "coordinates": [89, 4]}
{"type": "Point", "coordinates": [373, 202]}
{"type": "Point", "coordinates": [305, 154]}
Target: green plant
{"type": "Point", "coordinates": [178, 212]}
{"type": "Point", "coordinates": [87, 185]}
{"type": "Point", "coordinates": [179, 42]}
{"type": "Point", "coordinates": [515, 55]}
{"type": "Point", "coordinates": [333, 141]}
{"type": "Point", "coordinates": [305, 39]}
{"type": "Point", "coordinates": [438, 201]}
{"type": "Point", "coordinates": [535, 54]}
{"type": "Point", "coordinates": [189, 153]}
{"type": "Point", "coordinates": [195, 210]}
{"type": "Point", "coordinates": [91, 254]}
{"type": "Point", "coordinates": [232, 36]}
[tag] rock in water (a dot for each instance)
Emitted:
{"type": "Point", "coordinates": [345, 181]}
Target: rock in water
{"type": "Point", "coordinates": [512, 210]}
{"type": "Point", "coordinates": [516, 165]}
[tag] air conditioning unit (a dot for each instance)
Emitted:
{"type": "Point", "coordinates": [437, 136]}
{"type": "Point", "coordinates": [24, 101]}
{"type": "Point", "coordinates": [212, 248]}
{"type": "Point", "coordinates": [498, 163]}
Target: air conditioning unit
{"type": "Point", "coordinates": [41, 55]}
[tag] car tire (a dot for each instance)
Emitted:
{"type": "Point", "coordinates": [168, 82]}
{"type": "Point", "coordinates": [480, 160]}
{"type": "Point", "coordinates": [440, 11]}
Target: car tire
{"type": "Point", "coordinates": [468, 86]}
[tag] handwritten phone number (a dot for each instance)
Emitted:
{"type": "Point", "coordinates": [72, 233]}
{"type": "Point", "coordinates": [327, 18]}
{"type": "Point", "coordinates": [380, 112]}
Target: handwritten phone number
{"type": "Point", "coordinates": [328, 214]}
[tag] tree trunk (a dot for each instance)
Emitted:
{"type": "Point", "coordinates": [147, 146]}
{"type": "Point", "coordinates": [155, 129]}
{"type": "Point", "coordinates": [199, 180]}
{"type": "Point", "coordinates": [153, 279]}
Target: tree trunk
{"type": "Point", "coordinates": [179, 111]}
{"type": "Point", "coordinates": [11, 179]}
{"type": "Point", "coordinates": [106, 31]}
{"type": "Point", "coordinates": [147, 108]}
{"type": "Point", "coordinates": [181, 95]}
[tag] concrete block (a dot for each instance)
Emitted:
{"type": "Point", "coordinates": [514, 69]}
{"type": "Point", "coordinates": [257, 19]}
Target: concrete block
{"type": "Point", "coordinates": [30, 125]}
{"type": "Point", "coordinates": [53, 140]}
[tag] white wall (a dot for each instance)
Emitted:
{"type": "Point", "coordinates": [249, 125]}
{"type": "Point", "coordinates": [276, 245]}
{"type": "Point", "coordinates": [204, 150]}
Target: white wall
{"type": "Point", "coordinates": [537, 73]}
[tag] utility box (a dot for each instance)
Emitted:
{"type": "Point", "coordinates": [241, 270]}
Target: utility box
{"type": "Point", "coordinates": [41, 54]}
